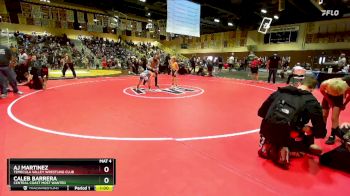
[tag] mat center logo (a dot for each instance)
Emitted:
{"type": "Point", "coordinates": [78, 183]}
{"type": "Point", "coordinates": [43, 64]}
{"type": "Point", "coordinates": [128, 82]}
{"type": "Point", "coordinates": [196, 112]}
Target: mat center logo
{"type": "Point", "coordinates": [164, 92]}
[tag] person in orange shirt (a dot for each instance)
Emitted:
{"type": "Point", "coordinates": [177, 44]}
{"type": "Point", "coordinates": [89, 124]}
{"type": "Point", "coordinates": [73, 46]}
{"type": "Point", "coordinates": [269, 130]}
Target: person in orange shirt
{"type": "Point", "coordinates": [174, 69]}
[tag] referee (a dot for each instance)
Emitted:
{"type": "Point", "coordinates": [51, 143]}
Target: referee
{"type": "Point", "coordinates": [153, 65]}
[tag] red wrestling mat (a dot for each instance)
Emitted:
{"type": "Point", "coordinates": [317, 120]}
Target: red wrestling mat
{"type": "Point", "coordinates": [199, 139]}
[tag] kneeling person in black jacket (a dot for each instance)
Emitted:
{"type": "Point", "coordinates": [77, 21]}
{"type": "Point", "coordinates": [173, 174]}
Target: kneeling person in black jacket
{"type": "Point", "coordinates": [285, 114]}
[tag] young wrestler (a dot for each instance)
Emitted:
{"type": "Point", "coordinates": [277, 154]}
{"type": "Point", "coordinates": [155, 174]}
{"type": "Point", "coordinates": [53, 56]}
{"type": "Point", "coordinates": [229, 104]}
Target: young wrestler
{"type": "Point", "coordinates": [334, 90]}
{"type": "Point", "coordinates": [145, 76]}
{"type": "Point", "coordinates": [174, 69]}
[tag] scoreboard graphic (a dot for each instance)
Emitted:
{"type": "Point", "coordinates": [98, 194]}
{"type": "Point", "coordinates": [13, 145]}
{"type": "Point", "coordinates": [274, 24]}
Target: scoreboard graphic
{"type": "Point", "coordinates": [61, 174]}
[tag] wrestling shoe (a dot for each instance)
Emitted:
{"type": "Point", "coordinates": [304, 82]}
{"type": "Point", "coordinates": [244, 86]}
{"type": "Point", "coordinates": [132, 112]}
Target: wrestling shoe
{"type": "Point", "coordinates": [315, 150]}
{"type": "Point", "coordinates": [264, 151]}
{"type": "Point", "coordinates": [280, 156]}
{"type": "Point", "coordinates": [330, 140]}
{"type": "Point", "coordinates": [19, 93]}
{"type": "Point", "coordinates": [3, 96]}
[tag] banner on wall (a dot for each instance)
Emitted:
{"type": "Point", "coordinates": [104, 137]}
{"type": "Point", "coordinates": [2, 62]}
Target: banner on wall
{"type": "Point", "coordinates": [70, 15]}
{"type": "Point", "coordinates": [139, 27]}
{"type": "Point", "coordinates": [81, 17]}
{"type": "Point", "coordinates": [22, 19]}
{"type": "Point", "coordinates": [26, 9]}
{"type": "Point", "coordinates": [36, 11]}
{"type": "Point", "coordinates": [90, 18]}
{"type": "Point", "coordinates": [128, 25]}
{"type": "Point", "coordinates": [62, 14]}
{"type": "Point", "coordinates": [54, 13]}
{"type": "Point", "coordinates": [105, 21]}
{"type": "Point", "coordinates": [99, 20]}
{"type": "Point", "coordinates": [283, 29]}
{"type": "Point", "coordinates": [46, 12]}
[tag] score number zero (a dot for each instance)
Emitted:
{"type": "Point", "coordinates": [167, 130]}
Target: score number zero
{"type": "Point", "coordinates": [106, 169]}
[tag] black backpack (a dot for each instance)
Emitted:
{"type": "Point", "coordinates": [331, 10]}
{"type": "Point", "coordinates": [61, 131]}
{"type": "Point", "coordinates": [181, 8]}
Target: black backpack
{"type": "Point", "coordinates": [285, 109]}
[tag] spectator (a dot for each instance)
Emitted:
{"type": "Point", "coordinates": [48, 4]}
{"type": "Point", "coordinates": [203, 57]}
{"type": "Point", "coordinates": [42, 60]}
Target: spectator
{"type": "Point", "coordinates": [210, 66]}
{"type": "Point", "coordinates": [6, 73]}
{"type": "Point", "coordinates": [297, 71]}
{"type": "Point", "coordinates": [254, 68]}
{"type": "Point", "coordinates": [193, 64]}
{"type": "Point", "coordinates": [231, 61]}
{"type": "Point", "coordinates": [272, 65]}
{"type": "Point", "coordinates": [220, 63]}
{"type": "Point", "coordinates": [341, 61]}
{"type": "Point", "coordinates": [22, 67]}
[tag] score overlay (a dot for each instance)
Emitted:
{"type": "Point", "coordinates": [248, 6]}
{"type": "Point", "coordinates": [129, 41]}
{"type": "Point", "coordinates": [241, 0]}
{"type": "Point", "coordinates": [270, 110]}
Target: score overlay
{"type": "Point", "coordinates": [61, 174]}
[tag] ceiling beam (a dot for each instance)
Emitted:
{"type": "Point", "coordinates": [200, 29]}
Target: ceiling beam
{"type": "Point", "coordinates": [221, 10]}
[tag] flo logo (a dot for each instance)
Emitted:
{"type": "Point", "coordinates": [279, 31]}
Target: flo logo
{"type": "Point", "coordinates": [165, 92]}
{"type": "Point", "coordinates": [328, 12]}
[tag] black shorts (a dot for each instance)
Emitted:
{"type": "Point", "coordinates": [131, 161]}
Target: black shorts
{"type": "Point", "coordinates": [337, 102]}
{"type": "Point", "coordinates": [254, 70]}
{"type": "Point", "coordinates": [173, 73]}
